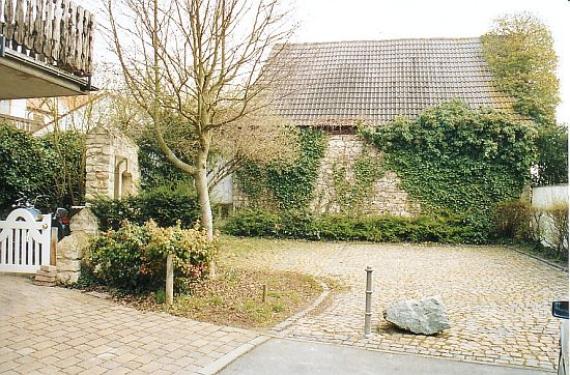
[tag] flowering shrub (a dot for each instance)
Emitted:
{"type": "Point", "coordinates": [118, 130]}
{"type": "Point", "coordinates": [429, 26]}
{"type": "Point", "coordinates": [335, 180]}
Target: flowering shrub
{"type": "Point", "coordinates": [134, 256]}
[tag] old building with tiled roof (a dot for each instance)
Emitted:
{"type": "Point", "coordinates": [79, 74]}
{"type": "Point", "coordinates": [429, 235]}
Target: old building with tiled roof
{"type": "Point", "coordinates": [336, 85]}
{"type": "Point", "coordinates": [341, 82]}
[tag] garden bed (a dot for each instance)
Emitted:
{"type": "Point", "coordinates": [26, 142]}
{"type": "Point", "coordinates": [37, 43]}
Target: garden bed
{"type": "Point", "coordinates": [236, 296]}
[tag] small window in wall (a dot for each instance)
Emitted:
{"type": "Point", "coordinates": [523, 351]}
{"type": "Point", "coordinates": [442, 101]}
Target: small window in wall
{"type": "Point", "coordinates": [123, 179]}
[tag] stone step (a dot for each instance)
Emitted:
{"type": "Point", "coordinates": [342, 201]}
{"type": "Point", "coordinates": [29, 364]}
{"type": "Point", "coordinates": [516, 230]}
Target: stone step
{"type": "Point", "coordinates": [43, 283]}
{"type": "Point", "coordinates": [48, 268]}
{"type": "Point", "coordinates": [47, 274]}
{"type": "Point", "coordinates": [47, 279]}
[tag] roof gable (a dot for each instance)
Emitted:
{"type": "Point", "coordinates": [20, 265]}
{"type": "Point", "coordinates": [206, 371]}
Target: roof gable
{"type": "Point", "coordinates": [342, 82]}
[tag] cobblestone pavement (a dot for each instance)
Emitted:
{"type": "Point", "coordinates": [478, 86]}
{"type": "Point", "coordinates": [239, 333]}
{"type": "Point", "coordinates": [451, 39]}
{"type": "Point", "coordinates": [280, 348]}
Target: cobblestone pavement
{"type": "Point", "coordinates": [498, 300]}
{"type": "Point", "coordinates": [60, 331]}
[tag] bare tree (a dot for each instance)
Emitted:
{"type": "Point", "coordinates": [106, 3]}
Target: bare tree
{"type": "Point", "coordinates": [201, 59]}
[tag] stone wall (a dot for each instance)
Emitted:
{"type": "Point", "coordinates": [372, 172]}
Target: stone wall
{"type": "Point", "coordinates": [386, 197]}
{"type": "Point", "coordinates": [344, 149]}
{"type": "Point", "coordinates": [70, 249]}
{"type": "Point", "coordinates": [112, 166]}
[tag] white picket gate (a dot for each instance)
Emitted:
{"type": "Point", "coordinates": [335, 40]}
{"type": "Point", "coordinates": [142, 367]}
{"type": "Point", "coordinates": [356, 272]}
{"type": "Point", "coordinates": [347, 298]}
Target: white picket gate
{"type": "Point", "coordinates": [24, 242]}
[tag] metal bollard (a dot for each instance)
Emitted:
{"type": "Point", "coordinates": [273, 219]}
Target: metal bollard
{"type": "Point", "coordinates": [368, 309]}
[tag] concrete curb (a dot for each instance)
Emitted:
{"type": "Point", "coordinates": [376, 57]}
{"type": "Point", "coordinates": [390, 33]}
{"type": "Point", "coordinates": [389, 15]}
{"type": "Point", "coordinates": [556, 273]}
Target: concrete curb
{"type": "Point", "coordinates": [279, 328]}
{"type": "Point", "coordinates": [551, 264]}
{"type": "Point", "coordinates": [221, 363]}
{"type": "Point", "coordinates": [403, 353]}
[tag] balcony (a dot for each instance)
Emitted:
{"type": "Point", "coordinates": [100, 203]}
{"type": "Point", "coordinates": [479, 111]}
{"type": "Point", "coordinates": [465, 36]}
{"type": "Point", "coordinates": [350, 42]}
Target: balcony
{"type": "Point", "coordinates": [46, 49]}
{"type": "Point", "coordinates": [19, 123]}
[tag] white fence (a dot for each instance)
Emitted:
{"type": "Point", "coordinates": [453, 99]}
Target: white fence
{"type": "Point", "coordinates": [24, 242]}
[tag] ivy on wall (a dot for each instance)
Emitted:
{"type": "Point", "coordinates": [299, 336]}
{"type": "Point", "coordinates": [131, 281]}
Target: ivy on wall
{"type": "Point", "coordinates": [353, 192]}
{"type": "Point", "coordinates": [286, 186]}
{"type": "Point", "coordinates": [552, 165]}
{"type": "Point", "coordinates": [459, 160]}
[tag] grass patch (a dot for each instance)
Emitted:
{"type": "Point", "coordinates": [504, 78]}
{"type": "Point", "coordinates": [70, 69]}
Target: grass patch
{"type": "Point", "coordinates": [235, 296]}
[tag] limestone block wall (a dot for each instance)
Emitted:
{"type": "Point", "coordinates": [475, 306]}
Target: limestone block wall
{"type": "Point", "coordinates": [70, 249]}
{"type": "Point", "coordinates": [344, 149]}
{"type": "Point", "coordinates": [386, 196]}
{"type": "Point", "coordinates": [112, 167]}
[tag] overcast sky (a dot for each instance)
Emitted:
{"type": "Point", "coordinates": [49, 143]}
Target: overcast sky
{"type": "Point", "coordinates": [329, 20]}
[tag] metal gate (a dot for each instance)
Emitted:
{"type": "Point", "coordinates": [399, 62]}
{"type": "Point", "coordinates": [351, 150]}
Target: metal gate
{"type": "Point", "coordinates": [24, 241]}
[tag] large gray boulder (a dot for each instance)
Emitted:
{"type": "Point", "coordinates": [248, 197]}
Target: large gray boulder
{"type": "Point", "coordinates": [425, 317]}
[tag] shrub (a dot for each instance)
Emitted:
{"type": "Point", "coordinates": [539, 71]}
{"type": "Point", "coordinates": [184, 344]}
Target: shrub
{"type": "Point", "coordinates": [51, 166]}
{"type": "Point", "coordinates": [513, 220]}
{"type": "Point", "coordinates": [301, 225]}
{"type": "Point", "coordinates": [26, 166]}
{"type": "Point", "coordinates": [552, 166]}
{"type": "Point", "coordinates": [134, 257]}
{"type": "Point", "coordinates": [155, 168]}
{"type": "Point", "coordinates": [559, 215]}
{"type": "Point", "coordinates": [165, 205]}
{"type": "Point", "coordinates": [67, 187]}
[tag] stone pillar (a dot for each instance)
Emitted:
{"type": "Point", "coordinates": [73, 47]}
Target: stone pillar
{"type": "Point", "coordinates": [70, 249]}
{"type": "Point", "coordinates": [112, 167]}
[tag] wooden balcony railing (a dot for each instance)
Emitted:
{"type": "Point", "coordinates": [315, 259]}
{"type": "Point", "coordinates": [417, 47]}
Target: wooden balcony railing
{"type": "Point", "coordinates": [56, 32]}
{"type": "Point", "coordinates": [18, 122]}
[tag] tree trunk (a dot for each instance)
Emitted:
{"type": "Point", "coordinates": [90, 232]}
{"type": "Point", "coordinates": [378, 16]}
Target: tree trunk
{"type": "Point", "coordinates": [201, 182]}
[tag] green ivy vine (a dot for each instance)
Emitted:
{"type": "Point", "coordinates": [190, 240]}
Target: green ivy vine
{"type": "Point", "coordinates": [352, 194]}
{"type": "Point", "coordinates": [459, 160]}
{"type": "Point", "coordinates": [286, 186]}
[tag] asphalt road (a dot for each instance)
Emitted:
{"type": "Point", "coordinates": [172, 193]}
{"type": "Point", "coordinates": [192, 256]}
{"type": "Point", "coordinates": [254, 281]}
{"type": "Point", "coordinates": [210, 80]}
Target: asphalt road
{"type": "Point", "coordinates": [280, 357]}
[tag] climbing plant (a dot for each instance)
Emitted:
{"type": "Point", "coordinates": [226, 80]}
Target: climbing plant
{"type": "Point", "coordinates": [352, 192]}
{"type": "Point", "coordinates": [457, 159]}
{"type": "Point", "coordinates": [519, 50]}
{"type": "Point", "coordinates": [552, 165]}
{"type": "Point", "coordinates": [289, 185]}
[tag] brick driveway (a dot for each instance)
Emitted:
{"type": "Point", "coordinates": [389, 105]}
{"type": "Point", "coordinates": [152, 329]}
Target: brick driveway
{"type": "Point", "coordinates": [498, 300]}
{"type": "Point", "coordinates": [54, 330]}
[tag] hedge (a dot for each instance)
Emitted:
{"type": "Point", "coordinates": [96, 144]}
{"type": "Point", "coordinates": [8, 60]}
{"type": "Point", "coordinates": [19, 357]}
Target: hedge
{"type": "Point", "coordinates": [301, 225]}
{"type": "Point", "coordinates": [165, 205]}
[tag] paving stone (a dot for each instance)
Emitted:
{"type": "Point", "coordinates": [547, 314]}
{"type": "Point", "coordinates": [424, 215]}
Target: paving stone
{"type": "Point", "coordinates": [498, 300]}
{"type": "Point", "coordinates": [57, 330]}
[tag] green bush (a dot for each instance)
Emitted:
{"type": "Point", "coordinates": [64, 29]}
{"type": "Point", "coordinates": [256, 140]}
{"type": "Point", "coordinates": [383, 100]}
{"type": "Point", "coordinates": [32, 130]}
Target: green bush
{"type": "Point", "coordinates": [301, 225]}
{"type": "Point", "coordinates": [512, 220]}
{"type": "Point", "coordinates": [156, 170]}
{"type": "Point", "coordinates": [26, 166]}
{"type": "Point", "coordinates": [552, 166]}
{"type": "Point", "coordinates": [458, 159]}
{"type": "Point", "coordinates": [560, 216]}
{"type": "Point", "coordinates": [134, 257]}
{"type": "Point", "coordinates": [67, 187]}
{"type": "Point", "coordinates": [164, 205]}
{"type": "Point", "coordinates": [49, 166]}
